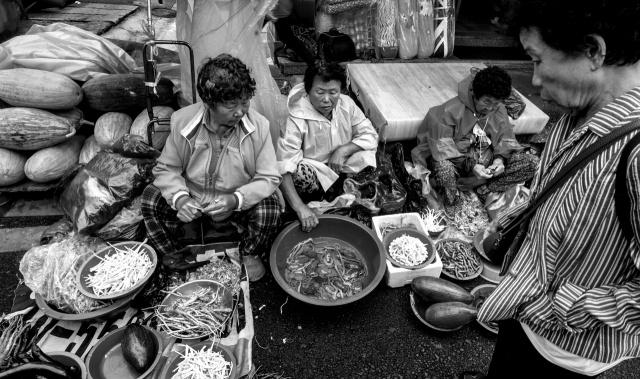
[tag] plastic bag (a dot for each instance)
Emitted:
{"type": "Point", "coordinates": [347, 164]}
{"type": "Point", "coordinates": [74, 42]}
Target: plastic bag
{"type": "Point", "coordinates": [103, 187]}
{"type": "Point", "coordinates": [364, 193]}
{"type": "Point", "coordinates": [515, 105]}
{"type": "Point", "coordinates": [134, 146]}
{"type": "Point", "coordinates": [407, 29]}
{"type": "Point", "coordinates": [233, 27]}
{"type": "Point", "coordinates": [388, 193]}
{"type": "Point", "coordinates": [343, 201]}
{"type": "Point", "coordinates": [67, 50]}
{"type": "Point", "coordinates": [125, 226]}
{"type": "Point", "coordinates": [498, 203]}
{"type": "Point", "coordinates": [57, 232]}
{"type": "Point", "coordinates": [426, 25]}
{"type": "Point", "coordinates": [51, 271]}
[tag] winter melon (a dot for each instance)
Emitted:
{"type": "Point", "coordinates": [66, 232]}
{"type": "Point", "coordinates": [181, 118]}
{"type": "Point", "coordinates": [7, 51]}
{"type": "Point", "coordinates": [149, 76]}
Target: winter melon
{"type": "Point", "coordinates": [119, 92]}
{"type": "Point", "coordinates": [32, 129]}
{"type": "Point", "coordinates": [439, 290]}
{"type": "Point", "coordinates": [450, 315]}
{"type": "Point", "coordinates": [25, 87]}
{"type": "Point", "coordinates": [11, 167]}
{"type": "Point", "coordinates": [51, 163]}
{"type": "Point", "coordinates": [110, 127]}
{"type": "Point", "coordinates": [89, 150]}
{"type": "Point", "coordinates": [74, 115]}
{"type": "Point", "coordinates": [139, 126]}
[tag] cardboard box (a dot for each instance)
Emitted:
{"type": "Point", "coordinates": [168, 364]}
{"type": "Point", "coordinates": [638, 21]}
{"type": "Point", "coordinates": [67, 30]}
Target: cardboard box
{"type": "Point", "coordinates": [396, 276]}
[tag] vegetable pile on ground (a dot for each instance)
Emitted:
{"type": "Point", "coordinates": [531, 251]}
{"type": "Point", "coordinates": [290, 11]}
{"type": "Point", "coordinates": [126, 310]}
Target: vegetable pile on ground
{"type": "Point", "coordinates": [203, 313]}
{"type": "Point", "coordinates": [469, 216]}
{"type": "Point", "coordinates": [119, 270]}
{"type": "Point", "coordinates": [325, 270]}
{"type": "Point", "coordinates": [51, 271]}
{"type": "Point", "coordinates": [388, 227]}
{"type": "Point", "coordinates": [203, 364]}
{"type": "Point", "coordinates": [434, 221]}
{"type": "Point", "coordinates": [409, 251]}
{"type": "Point", "coordinates": [20, 356]}
{"type": "Point", "coordinates": [458, 260]}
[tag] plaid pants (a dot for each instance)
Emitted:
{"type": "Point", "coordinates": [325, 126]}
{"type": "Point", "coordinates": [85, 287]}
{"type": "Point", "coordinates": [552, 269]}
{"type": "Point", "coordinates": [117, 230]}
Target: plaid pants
{"type": "Point", "coordinates": [260, 224]}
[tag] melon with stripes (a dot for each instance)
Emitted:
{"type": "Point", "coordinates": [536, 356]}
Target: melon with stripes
{"type": "Point", "coordinates": [110, 127]}
{"type": "Point", "coordinates": [25, 87]}
{"type": "Point", "coordinates": [52, 162]}
{"type": "Point", "coordinates": [11, 167]}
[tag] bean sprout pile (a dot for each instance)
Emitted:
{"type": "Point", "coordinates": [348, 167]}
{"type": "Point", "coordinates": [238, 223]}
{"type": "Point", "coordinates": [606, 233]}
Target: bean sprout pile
{"type": "Point", "coordinates": [434, 221]}
{"type": "Point", "coordinates": [203, 364]}
{"type": "Point", "coordinates": [409, 251]}
{"type": "Point", "coordinates": [200, 314]}
{"type": "Point", "coordinates": [119, 270]}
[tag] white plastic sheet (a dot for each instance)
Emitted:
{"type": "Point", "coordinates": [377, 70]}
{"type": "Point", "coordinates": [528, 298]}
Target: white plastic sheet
{"type": "Point", "coordinates": [66, 50]}
{"type": "Point", "coordinates": [233, 27]}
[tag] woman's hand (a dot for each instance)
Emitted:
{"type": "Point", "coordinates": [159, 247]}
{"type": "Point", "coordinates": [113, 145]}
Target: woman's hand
{"type": "Point", "coordinates": [307, 217]}
{"type": "Point", "coordinates": [337, 159]}
{"type": "Point", "coordinates": [497, 167]}
{"type": "Point", "coordinates": [221, 205]}
{"type": "Point", "coordinates": [481, 172]}
{"type": "Point", "coordinates": [188, 209]}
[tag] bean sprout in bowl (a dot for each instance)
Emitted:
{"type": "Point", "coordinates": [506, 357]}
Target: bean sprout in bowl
{"type": "Point", "coordinates": [346, 255]}
{"type": "Point", "coordinates": [409, 249]}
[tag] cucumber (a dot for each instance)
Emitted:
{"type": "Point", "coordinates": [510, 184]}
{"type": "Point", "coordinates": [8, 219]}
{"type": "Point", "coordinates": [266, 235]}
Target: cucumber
{"type": "Point", "coordinates": [450, 315]}
{"type": "Point", "coordinates": [436, 290]}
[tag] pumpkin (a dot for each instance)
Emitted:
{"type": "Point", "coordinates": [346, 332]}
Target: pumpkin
{"type": "Point", "coordinates": [162, 130]}
{"type": "Point", "coordinates": [450, 315]}
{"type": "Point", "coordinates": [438, 290]}
{"type": "Point", "coordinates": [52, 162]}
{"type": "Point", "coordinates": [110, 127]}
{"type": "Point", "coordinates": [11, 167]}
{"type": "Point", "coordinates": [138, 347]}
{"type": "Point", "coordinates": [25, 87]}
{"type": "Point", "coordinates": [32, 129]}
{"type": "Point", "coordinates": [119, 92]}
{"type": "Point", "coordinates": [89, 150]}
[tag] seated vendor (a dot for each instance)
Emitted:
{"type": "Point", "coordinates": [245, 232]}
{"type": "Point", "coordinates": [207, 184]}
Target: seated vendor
{"type": "Point", "coordinates": [468, 142]}
{"type": "Point", "coordinates": [326, 135]}
{"type": "Point", "coordinates": [219, 161]}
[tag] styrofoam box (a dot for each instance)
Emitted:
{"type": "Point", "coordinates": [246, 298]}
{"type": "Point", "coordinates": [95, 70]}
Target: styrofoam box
{"type": "Point", "coordinates": [396, 276]}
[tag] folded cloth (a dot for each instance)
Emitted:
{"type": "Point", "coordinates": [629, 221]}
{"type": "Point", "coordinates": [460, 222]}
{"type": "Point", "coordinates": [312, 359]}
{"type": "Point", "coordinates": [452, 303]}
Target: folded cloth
{"type": "Point", "coordinates": [345, 6]}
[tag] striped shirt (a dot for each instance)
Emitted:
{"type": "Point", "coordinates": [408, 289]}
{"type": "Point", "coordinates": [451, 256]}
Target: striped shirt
{"type": "Point", "coordinates": [576, 279]}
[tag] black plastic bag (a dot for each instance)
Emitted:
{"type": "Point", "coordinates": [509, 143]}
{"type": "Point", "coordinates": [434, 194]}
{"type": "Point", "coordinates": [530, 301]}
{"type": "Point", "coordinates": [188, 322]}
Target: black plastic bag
{"type": "Point", "coordinates": [415, 202]}
{"type": "Point", "coordinates": [133, 146]}
{"type": "Point", "coordinates": [102, 188]}
{"type": "Point", "coordinates": [515, 105]}
{"type": "Point", "coordinates": [390, 195]}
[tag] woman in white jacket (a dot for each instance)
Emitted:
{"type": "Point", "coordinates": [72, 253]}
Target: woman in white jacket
{"type": "Point", "coordinates": [326, 135]}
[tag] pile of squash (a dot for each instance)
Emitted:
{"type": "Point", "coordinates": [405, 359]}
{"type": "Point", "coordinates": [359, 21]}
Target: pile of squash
{"type": "Point", "coordinates": [39, 118]}
{"type": "Point", "coordinates": [450, 304]}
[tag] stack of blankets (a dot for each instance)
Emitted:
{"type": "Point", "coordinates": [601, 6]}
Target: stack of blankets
{"type": "Point", "coordinates": [339, 6]}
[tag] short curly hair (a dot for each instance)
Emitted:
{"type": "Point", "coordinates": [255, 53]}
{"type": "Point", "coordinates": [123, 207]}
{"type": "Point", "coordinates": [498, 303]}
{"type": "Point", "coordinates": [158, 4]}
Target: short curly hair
{"type": "Point", "coordinates": [325, 71]}
{"type": "Point", "coordinates": [224, 78]}
{"type": "Point", "coordinates": [492, 81]}
{"type": "Point", "coordinates": [564, 24]}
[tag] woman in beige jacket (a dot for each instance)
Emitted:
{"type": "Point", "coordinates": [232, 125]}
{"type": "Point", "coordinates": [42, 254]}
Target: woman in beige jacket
{"type": "Point", "coordinates": [219, 161]}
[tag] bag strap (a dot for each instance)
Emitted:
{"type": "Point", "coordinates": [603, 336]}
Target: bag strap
{"type": "Point", "coordinates": [577, 163]}
{"type": "Point", "coordinates": [622, 200]}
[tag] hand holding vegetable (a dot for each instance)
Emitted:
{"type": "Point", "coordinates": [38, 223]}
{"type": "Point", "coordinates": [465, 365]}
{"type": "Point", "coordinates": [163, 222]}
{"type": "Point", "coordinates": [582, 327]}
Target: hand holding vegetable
{"type": "Point", "coordinates": [497, 167]}
{"type": "Point", "coordinates": [481, 172]}
{"type": "Point", "coordinates": [222, 204]}
{"type": "Point", "coordinates": [188, 209]}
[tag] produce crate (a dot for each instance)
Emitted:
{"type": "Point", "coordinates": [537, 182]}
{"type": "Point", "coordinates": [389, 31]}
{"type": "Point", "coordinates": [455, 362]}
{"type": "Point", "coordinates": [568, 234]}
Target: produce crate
{"type": "Point", "coordinates": [396, 276]}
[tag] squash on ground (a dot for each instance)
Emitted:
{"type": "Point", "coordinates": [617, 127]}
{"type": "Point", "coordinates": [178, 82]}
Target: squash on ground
{"type": "Point", "coordinates": [51, 163]}
{"type": "Point", "coordinates": [450, 315]}
{"type": "Point", "coordinates": [110, 127]}
{"type": "Point", "coordinates": [119, 92]}
{"type": "Point", "coordinates": [89, 150]}
{"type": "Point", "coordinates": [139, 126]}
{"type": "Point", "coordinates": [25, 87]}
{"type": "Point", "coordinates": [11, 167]}
{"type": "Point", "coordinates": [32, 129]}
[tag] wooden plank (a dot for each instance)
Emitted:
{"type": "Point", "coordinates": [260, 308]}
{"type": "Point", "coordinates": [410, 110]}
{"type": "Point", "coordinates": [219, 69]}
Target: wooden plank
{"type": "Point", "coordinates": [95, 27]}
{"type": "Point", "coordinates": [96, 6]}
{"type": "Point", "coordinates": [30, 207]}
{"type": "Point", "coordinates": [83, 14]}
{"type": "Point", "coordinates": [396, 97]}
{"type": "Point", "coordinates": [87, 11]}
{"type": "Point", "coordinates": [29, 186]}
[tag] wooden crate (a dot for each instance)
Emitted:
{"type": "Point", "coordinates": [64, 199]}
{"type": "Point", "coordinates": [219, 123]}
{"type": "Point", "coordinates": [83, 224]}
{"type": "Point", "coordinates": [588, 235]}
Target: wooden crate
{"type": "Point", "coordinates": [399, 277]}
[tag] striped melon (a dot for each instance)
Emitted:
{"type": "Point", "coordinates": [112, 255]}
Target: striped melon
{"type": "Point", "coordinates": [25, 87]}
{"type": "Point", "coordinates": [74, 115]}
{"type": "Point", "coordinates": [110, 127]}
{"type": "Point", "coordinates": [139, 126]}
{"type": "Point", "coordinates": [89, 150]}
{"type": "Point", "coordinates": [51, 163]}
{"type": "Point", "coordinates": [32, 129]}
{"type": "Point", "coordinates": [11, 167]}
{"type": "Point", "coordinates": [119, 92]}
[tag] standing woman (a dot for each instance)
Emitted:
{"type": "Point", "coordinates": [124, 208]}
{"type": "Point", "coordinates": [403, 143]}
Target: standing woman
{"type": "Point", "coordinates": [569, 306]}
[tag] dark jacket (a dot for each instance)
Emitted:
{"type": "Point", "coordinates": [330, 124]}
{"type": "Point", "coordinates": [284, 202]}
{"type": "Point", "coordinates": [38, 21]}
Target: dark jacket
{"type": "Point", "coordinates": [447, 130]}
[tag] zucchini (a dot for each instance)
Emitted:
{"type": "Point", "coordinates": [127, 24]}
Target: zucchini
{"type": "Point", "coordinates": [450, 315]}
{"type": "Point", "coordinates": [436, 290]}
